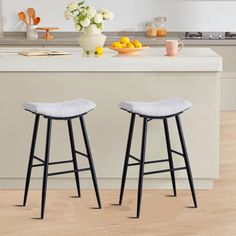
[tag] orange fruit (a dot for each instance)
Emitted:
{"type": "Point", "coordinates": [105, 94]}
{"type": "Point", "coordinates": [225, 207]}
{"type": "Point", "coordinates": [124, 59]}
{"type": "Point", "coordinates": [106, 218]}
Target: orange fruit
{"type": "Point", "coordinates": [136, 41]}
{"type": "Point", "coordinates": [138, 45]}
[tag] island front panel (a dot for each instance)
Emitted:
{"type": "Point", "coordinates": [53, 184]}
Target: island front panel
{"type": "Point", "coordinates": [108, 125]}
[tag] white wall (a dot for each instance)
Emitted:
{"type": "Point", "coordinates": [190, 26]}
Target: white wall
{"type": "Point", "coordinates": [130, 15]}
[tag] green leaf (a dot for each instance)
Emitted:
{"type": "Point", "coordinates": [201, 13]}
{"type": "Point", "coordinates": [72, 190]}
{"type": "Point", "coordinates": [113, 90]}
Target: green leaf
{"type": "Point", "coordinates": [99, 25]}
{"type": "Point", "coordinates": [81, 17]}
{"type": "Point", "coordinates": [81, 3]}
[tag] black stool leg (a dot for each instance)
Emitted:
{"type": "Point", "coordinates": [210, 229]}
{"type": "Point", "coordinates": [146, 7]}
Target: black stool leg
{"type": "Point", "coordinates": [73, 151]}
{"type": "Point", "coordinates": [124, 175]}
{"type": "Point", "coordinates": [31, 158]}
{"type": "Point", "coordinates": [168, 145]}
{"type": "Point", "coordinates": [186, 159]}
{"type": "Point", "coordinates": [90, 159]}
{"type": "Point", "coordinates": [45, 172]}
{"type": "Point", "coordinates": [141, 170]}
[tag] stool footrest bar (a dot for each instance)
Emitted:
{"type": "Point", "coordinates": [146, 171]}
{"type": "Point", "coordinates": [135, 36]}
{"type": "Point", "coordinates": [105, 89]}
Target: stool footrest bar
{"type": "Point", "coordinates": [59, 162]}
{"type": "Point", "coordinates": [149, 162]}
{"type": "Point", "coordinates": [156, 161]}
{"type": "Point", "coordinates": [162, 171]}
{"type": "Point", "coordinates": [68, 172]}
{"type": "Point", "coordinates": [37, 165]}
{"type": "Point", "coordinates": [177, 153]}
{"type": "Point", "coordinates": [81, 154]}
{"type": "Point", "coordinates": [54, 163]}
{"type": "Point", "coordinates": [38, 159]}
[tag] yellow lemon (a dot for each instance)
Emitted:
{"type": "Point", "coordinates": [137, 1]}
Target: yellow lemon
{"type": "Point", "coordinates": [136, 41]}
{"type": "Point", "coordinates": [124, 45]}
{"type": "Point", "coordinates": [125, 40]}
{"type": "Point", "coordinates": [117, 45]}
{"type": "Point", "coordinates": [130, 45]}
{"type": "Point", "coordinates": [138, 45]}
{"type": "Point", "coordinates": [114, 44]}
{"type": "Point", "coordinates": [99, 51]}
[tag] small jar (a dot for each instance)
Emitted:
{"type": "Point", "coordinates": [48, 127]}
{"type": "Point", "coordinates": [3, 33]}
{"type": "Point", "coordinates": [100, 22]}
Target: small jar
{"type": "Point", "coordinates": [32, 32]}
{"type": "Point", "coordinates": [161, 26]}
{"type": "Point", "coordinates": [151, 29]}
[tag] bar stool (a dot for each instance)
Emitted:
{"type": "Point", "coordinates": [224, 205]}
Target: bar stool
{"type": "Point", "coordinates": [148, 111]}
{"type": "Point", "coordinates": [67, 111]}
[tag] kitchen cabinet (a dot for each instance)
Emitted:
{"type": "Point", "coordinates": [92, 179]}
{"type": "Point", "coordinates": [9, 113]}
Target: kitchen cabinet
{"type": "Point", "coordinates": [228, 76]}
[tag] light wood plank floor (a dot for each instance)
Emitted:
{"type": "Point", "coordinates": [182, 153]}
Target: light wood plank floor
{"type": "Point", "coordinates": [161, 215]}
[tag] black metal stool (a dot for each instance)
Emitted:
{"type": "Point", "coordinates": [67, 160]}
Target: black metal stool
{"type": "Point", "coordinates": [149, 111]}
{"type": "Point", "coordinates": [60, 111]}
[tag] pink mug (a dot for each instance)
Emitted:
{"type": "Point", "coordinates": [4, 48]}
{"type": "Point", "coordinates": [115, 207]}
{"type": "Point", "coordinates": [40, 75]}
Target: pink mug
{"type": "Point", "coordinates": [173, 47]}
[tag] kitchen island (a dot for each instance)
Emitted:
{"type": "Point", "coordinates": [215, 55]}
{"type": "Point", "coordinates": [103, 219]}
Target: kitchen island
{"type": "Point", "coordinates": [150, 76]}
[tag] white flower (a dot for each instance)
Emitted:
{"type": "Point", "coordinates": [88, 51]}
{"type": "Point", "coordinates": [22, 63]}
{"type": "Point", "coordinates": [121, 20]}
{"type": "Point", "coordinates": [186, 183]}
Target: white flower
{"type": "Point", "coordinates": [85, 16]}
{"type": "Point", "coordinates": [86, 22]}
{"type": "Point", "coordinates": [91, 12]}
{"type": "Point", "coordinates": [72, 6]}
{"type": "Point", "coordinates": [78, 27]}
{"type": "Point", "coordinates": [67, 15]}
{"type": "Point", "coordinates": [107, 15]}
{"type": "Point", "coordinates": [75, 18]}
{"type": "Point", "coordinates": [83, 11]}
{"type": "Point", "coordinates": [98, 18]}
{"type": "Point", "coordinates": [101, 10]}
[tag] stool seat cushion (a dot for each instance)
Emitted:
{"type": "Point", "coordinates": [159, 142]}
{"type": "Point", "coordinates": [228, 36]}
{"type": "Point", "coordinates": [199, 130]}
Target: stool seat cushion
{"type": "Point", "coordinates": [161, 108]}
{"type": "Point", "coordinates": [65, 109]}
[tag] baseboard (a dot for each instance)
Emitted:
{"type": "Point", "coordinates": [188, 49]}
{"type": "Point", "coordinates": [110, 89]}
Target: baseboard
{"type": "Point", "coordinates": [86, 183]}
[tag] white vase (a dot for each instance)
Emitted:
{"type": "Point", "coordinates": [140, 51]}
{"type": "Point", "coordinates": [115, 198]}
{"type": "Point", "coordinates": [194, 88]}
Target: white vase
{"type": "Point", "coordinates": [91, 39]}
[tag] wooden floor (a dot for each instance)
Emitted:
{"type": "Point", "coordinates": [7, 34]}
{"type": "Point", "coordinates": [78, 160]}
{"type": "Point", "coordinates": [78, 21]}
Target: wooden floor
{"type": "Point", "coordinates": [161, 214]}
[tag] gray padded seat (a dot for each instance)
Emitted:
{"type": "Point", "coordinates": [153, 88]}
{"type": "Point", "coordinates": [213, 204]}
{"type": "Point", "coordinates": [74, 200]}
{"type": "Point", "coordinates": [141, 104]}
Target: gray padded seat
{"type": "Point", "coordinates": [161, 108]}
{"type": "Point", "coordinates": [65, 109]}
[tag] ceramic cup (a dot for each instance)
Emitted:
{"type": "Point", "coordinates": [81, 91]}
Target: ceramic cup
{"type": "Point", "coordinates": [173, 47]}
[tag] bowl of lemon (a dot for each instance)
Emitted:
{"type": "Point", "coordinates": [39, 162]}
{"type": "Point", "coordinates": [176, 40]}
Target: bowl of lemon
{"type": "Point", "coordinates": [127, 47]}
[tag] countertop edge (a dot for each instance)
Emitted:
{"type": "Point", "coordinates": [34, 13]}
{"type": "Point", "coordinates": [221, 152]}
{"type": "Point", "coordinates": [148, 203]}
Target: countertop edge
{"type": "Point", "coordinates": [150, 61]}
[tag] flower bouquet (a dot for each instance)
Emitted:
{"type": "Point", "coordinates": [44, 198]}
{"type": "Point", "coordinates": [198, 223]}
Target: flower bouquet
{"type": "Point", "coordinates": [89, 21]}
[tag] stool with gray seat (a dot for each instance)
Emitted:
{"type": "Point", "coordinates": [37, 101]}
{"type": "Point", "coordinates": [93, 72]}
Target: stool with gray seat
{"type": "Point", "coordinates": [67, 111]}
{"type": "Point", "coordinates": [148, 111]}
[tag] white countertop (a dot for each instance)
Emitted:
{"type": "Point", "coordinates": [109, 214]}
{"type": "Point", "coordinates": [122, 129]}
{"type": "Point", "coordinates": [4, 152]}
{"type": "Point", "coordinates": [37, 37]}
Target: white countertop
{"type": "Point", "coordinates": [150, 60]}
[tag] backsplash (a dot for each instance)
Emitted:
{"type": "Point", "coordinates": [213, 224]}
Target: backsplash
{"type": "Point", "coordinates": [183, 15]}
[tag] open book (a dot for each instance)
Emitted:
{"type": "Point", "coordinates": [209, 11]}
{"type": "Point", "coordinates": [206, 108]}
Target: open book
{"type": "Point", "coordinates": [35, 52]}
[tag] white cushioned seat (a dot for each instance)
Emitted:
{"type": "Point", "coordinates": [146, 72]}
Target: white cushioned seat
{"type": "Point", "coordinates": [157, 109]}
{"type": "Point", "coordinates": [65, 109]}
